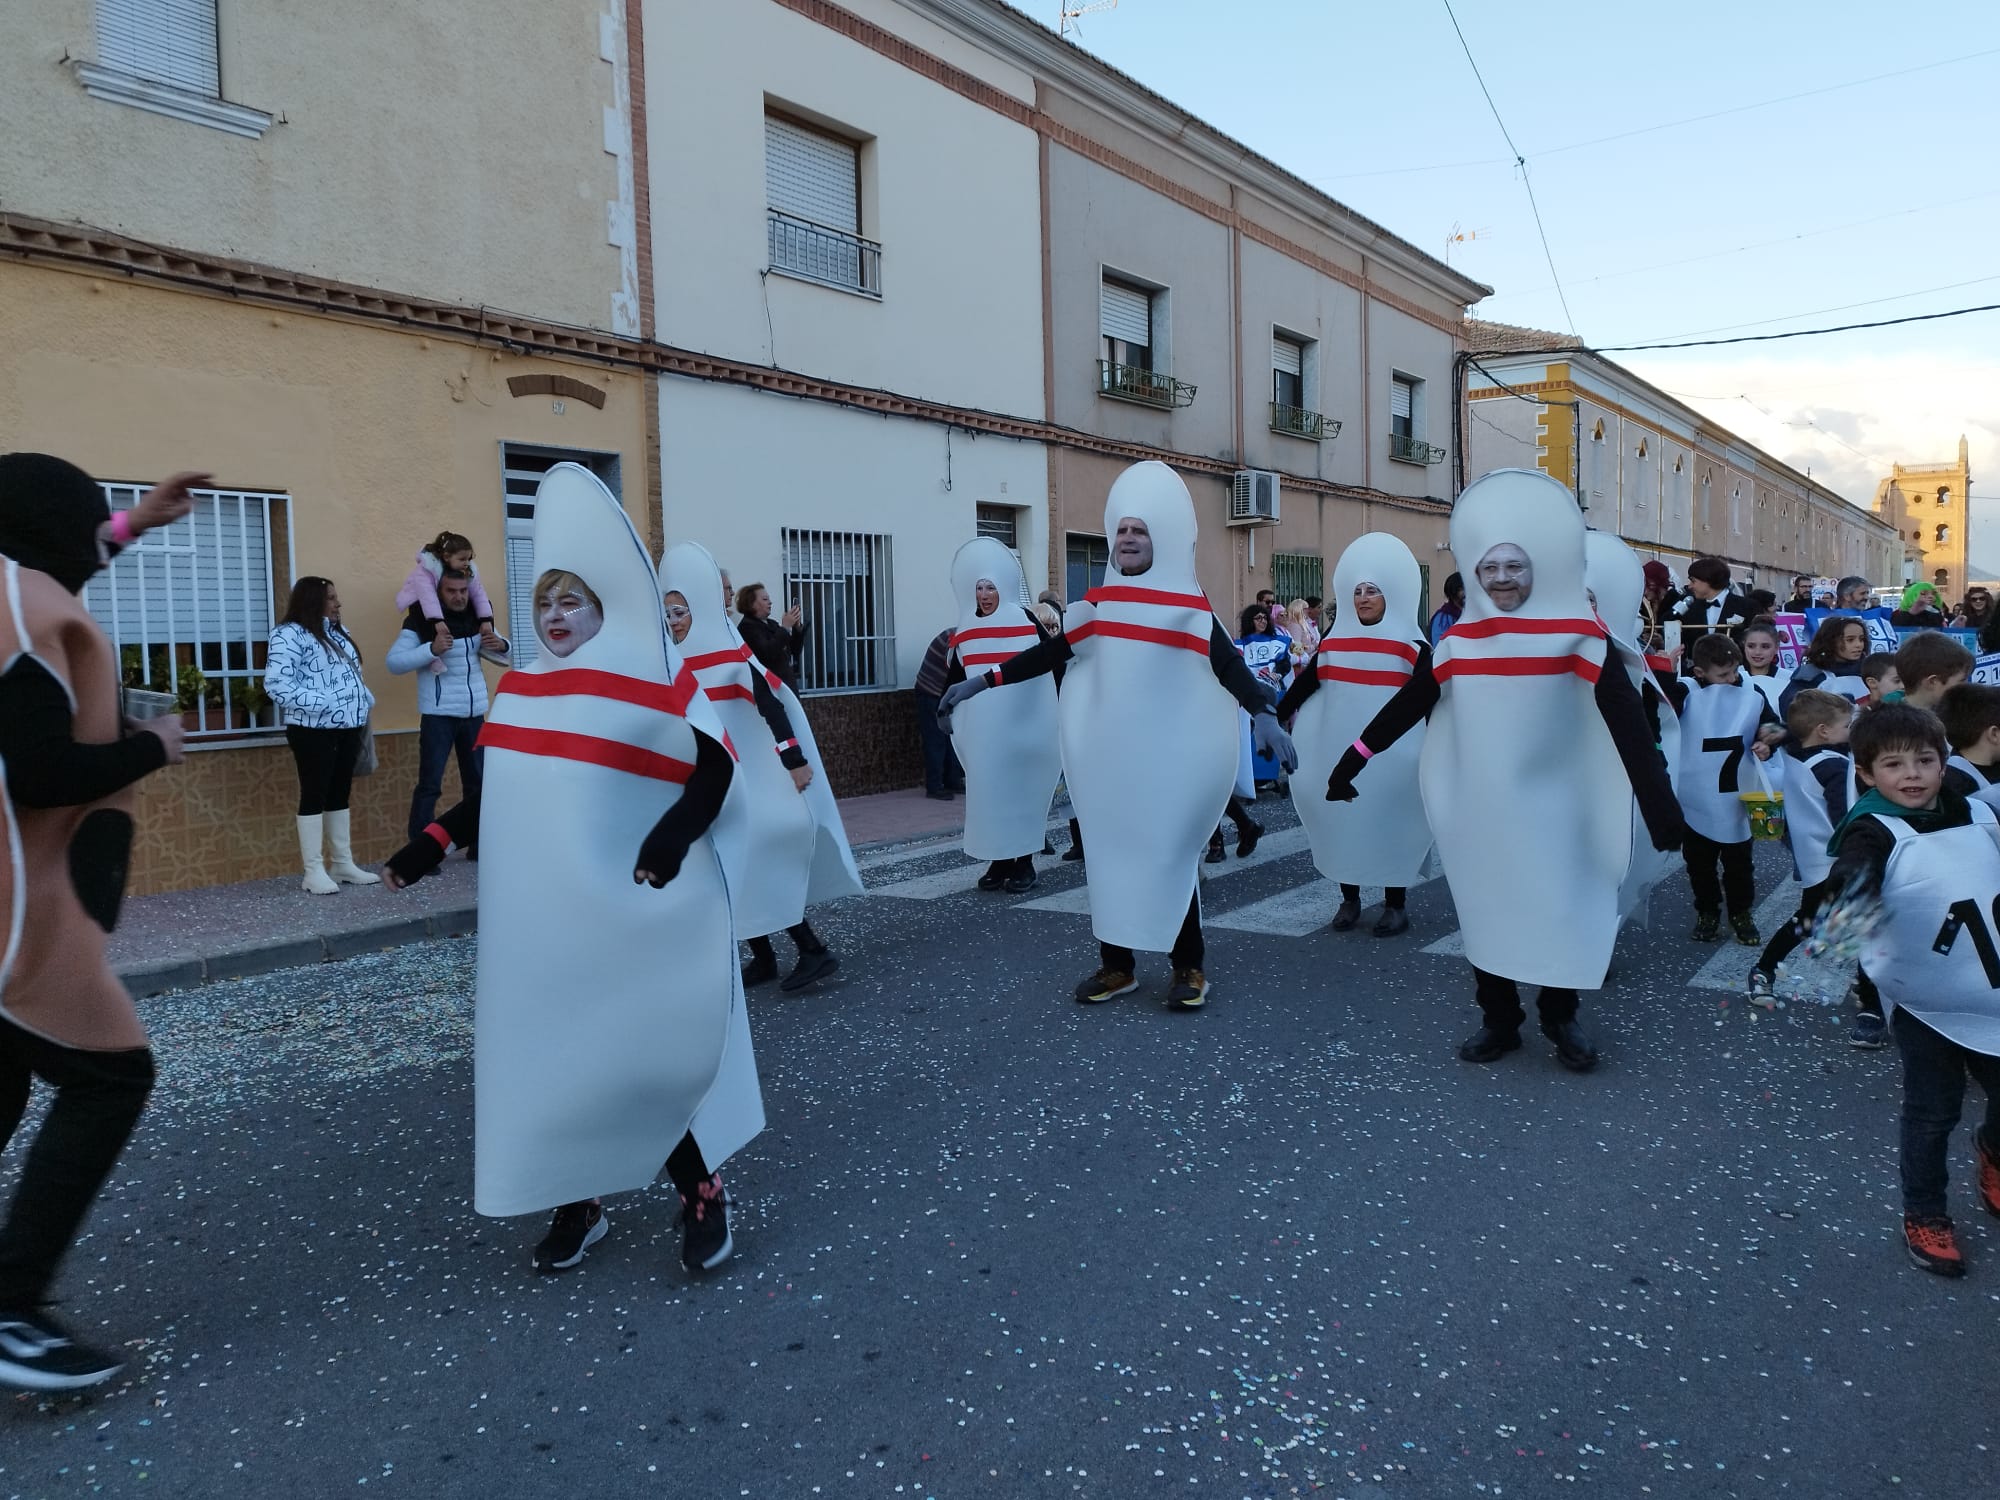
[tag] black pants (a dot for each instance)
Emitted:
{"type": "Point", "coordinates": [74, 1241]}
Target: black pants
{"type": "Point", "coordinates": [1788, 937]}
{"type": "Point", "coordinates": [1738, 886]}
{"type": "Point", "coordinates": [438, 738]}
{"type": "Point", "coordinates": [1500, 1002]}
{"type": "Point", "coordinates": [1188, 951]}
{"type": "Point", "coordinates": [803, 935]}
{"type": "Point", "coordinates": [685, 1170]}
{"type": "Point", "coordinates": [1393, 896]}
{"type": "Point", "coordinates": [325, 758]}
{"type": "Point", "coordinates": [1934, 1073]}
{"type": "Point", "coordinates": [942, 772]}
{"type": "Point", "coordinates": [99, 1096]}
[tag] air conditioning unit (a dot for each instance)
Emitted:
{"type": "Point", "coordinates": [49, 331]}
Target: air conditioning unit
{"type": "Point", "coordinates": [1253, 498]}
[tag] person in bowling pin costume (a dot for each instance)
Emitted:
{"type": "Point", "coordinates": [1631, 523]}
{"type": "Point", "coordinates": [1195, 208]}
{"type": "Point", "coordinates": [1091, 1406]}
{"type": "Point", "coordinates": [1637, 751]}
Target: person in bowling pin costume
{"type": "Point", "coordinates": [1380, 838]}
{"type": "Point", "coordinates": [782, 843]}
{"type": "Point", "coordinates": [1008, 741]}
{"type": "Point", "coordinates": [1530, 751]}
{"type": "Point", "coordinates": [1149, 732]}
{"type": "Point", "coordinates": [609, 1035]}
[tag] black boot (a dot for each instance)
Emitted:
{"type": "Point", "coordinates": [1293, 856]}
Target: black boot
{"type": "Point", "coordinates": [1345, 915]}
{"type": "Point", "coordinates": [1075, 850]}
{"type": "Point", "coordinates": [995, 874]}
{"type": "Point", "coordinates": [1021, 877]}
{"type": "Point", "coordinates": [1215, 855]}
{"type": "Point", "coordinates": [1489, 1044]}
{"type": "Point", "coordinates": [1247, 833]}
{"type": "Point", "coordinates": [1394, 922]}
{"type": "Point", "coordinates": [763, 965]}
{"type": "Point", "coordinates": [1573, 1049]}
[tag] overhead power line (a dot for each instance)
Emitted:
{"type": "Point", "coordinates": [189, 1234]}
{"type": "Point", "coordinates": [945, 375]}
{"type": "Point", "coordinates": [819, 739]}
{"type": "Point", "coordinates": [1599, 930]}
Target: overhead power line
{"type": "Point", "coordinates": [1744, 338]}
{"type": "Point", "coordinates": [1520, 162]}
{"type": "Point", "coordinates": [1818, 312]}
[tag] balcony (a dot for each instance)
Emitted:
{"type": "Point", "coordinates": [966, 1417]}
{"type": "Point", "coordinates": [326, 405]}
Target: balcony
{"type": "Point", "coordinates": [1411, 450]}
{"type": "Point", "coordinates": [1299, 422]}
{"type": "Point", "coordinates": [1147, 387]}
{"type": "Point", "coordinates": [831, 257]}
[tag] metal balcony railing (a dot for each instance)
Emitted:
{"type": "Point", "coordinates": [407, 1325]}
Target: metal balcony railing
{"type": "Point", "coordinates": [1131, 383]}
{"type": "Point", "coordinates": [1414, 450]}
{"type": "Point", "coordinates": [1302, 423]}
{"type": "Point", "coordinates": [833, 257]}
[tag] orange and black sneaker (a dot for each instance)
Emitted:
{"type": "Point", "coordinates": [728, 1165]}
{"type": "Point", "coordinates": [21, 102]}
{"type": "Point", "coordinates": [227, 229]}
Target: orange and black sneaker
{"type": "Point", "coordinates": [1989, 1176]}
{"type": "Point", "coordinates": [1105, 984]}
{"type": "Point", "coordinates": [1933, 1246]}
{"type": "Point", "coordinates": [1189, 991]}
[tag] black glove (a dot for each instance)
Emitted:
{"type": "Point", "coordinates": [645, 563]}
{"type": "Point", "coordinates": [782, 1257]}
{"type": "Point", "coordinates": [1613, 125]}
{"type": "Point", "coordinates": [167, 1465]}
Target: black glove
{"type": "Point", "coordinates": [1340, 789]}
{"type": "Point", "coordinates": [416, 859]}
{"type": "Point", "coordinates": [1667, 839]}
{"type": "Point", "coordinates": [956, 694]}
{"type": "Point", "coordinates": [661, 854]}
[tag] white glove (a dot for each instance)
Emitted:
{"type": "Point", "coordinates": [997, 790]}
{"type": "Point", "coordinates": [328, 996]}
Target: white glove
{"type": "Point", "coordinates": [956, 694]}
{"type": "Point", "coordinates": [1269, 739]}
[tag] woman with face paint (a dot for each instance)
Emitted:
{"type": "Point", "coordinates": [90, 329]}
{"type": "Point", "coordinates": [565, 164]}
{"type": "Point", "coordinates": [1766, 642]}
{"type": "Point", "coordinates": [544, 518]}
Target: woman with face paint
{"type": "Point", "coordinates": [69, 761]}
{"type": "Point", "coordinates": [1530, 749]}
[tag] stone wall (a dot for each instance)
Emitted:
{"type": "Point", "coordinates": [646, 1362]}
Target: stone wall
{"type": "Point", "coordinates": [868, 740]}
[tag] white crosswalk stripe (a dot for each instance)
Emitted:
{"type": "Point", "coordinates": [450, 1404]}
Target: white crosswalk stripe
{"type": "Point", "coordinates": [1275, 846]}
{"type": "Point", "coordinates": [1730, 967]}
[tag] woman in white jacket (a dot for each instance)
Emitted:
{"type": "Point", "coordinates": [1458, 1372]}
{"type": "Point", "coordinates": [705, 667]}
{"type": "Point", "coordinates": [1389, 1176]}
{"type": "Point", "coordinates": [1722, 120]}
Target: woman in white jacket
{"type": "Point", "coordinates": [313, 673]}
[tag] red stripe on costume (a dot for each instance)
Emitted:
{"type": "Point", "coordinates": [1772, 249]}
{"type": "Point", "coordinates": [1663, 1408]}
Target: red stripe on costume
{"type": "Point", "coordinates": [586, 682]}
{"type": "Point", "coordinates": [1363, 676]}
{"type": "Point", "coordinates": [1660, 663]}
{"type": "Point", "coordinates": [1480, 630]}
{"type": "Point", "coordinates": [1519, 666]}
{"type": "Point", "coordinates": [613, 755]}
{"type": "Point", "coordinates": [1120, 594]}
{"type": "Point", "coordinates": [725, 691]}
{"type": "Point", "coordinates": [990, 632]}
{"type": "Point", "coordinates": [1370, 643]}
{"type": "Point", "coordinates": [988, 659]}
{"type": "Point", "coordinates": [1144, 633]}
{"type": "Point", "coordinates": [716, 658]}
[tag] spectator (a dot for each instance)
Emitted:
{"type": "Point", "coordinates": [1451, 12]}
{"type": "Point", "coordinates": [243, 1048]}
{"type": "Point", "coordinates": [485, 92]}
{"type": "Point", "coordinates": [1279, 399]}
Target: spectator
{"type": "Point", "coordinates": [1977, 611]}
{"type": "Point", "coordinates": [1318, 612]}
{"type": "Point", "coordinates": [1708, 602]}
{"type": "Point", "coordinates": [1922, 609]}
{"type": "Point", "coordinates": [313, 673]}
{"type": "Point", "coordinates": [1763, 604]}
{"type": "Point", "coordinates": [1851, 592]}
{"type": "Point", "coordinates": [451, 693]}
{"type": "Point", "coordinates": [1802, 599]}
{"type": "Point", "coordinates": [1269, 599]}
{"type": "Point", "coordinates": [1446, 615]}
{"type": "Point", "coordinates": [1301, 627]}
{"type": "Point", "coordinates": [778, 645]}
{"type": "Point", "coordinates": [1653, 605]}
{"type": "Point", "coordinates": [1267, 650]}
{"type": "Point", "coordinates": [944, 778]}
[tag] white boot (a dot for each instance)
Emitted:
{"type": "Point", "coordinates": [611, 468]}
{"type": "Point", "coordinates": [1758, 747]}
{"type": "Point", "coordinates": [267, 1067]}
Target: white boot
{"type": "Point", "coordinates": [317, 880]}
{"type": "Point", "coordinates": [340, 854]}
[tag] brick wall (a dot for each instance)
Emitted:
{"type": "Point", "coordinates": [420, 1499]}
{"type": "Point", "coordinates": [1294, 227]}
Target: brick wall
{"type": "Point", "coordinates": [868, 741]}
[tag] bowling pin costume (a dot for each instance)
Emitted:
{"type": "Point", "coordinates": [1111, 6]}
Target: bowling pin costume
{"type": "Point", "coordinates": [1933, 955]}
{"type": "Point", "coordinates": [607, 1010]}
{"type": "Point", "coordinates": [1007, 740]}
{"type": "Point", "coordinates": [1382, 837]}
{"type": "Point", "coordinates": [781, 849]}
{"type": "Point", "coordinates": [1718, 725]}
{"type": "Point", "coordinates": [1985, 789]}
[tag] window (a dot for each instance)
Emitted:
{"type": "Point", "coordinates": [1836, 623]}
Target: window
{"type": "Point", "coordinates": [1943, 534]}
{"type": "Point", "coordinates": [1736, 510]}
{"type": "Point", "coordinates": [1403, 406]}
{"type": "Point", "coordinates": [1085, 559]}
{"type": "Point", "coordinates": [190, 606]}
{"type": "Point", "coordinates": [521, 471]}
{"type": "Point", "coordinates": [812, 185]}
{"type": "Point", "coordinates": [1944, 496]}
{"type": "Point", "coordinates": [167, 41]}
{"type": "Point", "coordinates": [842, 580]}
{"type": "Point", "coordinates": [1706, 513]}
{"type": "Point", "coordinates": [1003, 524]}
{"type": "Point", "coordinates": [1297, 575]}
{"type": "Point", "coordinates": [1288, 372]}
{"type": "Point", "coordinates": [1133, 363]}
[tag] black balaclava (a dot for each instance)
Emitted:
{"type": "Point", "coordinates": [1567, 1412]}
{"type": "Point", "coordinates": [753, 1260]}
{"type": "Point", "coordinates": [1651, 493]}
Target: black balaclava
{"type": "Point", "coordinates": [50, 514]}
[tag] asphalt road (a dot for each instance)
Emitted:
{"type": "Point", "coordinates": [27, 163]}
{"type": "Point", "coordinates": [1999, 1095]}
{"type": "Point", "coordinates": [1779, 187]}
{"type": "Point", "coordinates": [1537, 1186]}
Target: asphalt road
{"type": "Point", "coordinates": [995, 1243]}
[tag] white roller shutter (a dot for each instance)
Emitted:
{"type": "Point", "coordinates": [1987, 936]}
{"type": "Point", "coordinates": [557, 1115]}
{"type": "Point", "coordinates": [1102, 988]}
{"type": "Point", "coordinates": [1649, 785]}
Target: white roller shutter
{"type": "Point", "coordinates": [169, 41]}
{"type": "Point", "coordinates": [1127, 313]}
{"type": "Point", "coordinates": [1400, 394]}
{"type": "Point", "coordinates": [1287, 358]}
{"type": "Point", "coordinates": [521, 600]}
{"type": "Point", "coordinates": [812, 176]}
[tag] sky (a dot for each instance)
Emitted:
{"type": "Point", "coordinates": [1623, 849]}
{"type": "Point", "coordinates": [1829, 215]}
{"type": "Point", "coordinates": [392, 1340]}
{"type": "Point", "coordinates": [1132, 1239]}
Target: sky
{"type": "Point", "coordinates": [1860, 202]}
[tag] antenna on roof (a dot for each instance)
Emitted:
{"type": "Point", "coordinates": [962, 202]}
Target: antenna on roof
{"type": "Point", "coordinates": [1073, 11]}
{"type": "Point", "coordinates": [1460, 235]}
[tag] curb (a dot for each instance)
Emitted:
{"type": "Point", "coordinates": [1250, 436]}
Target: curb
{"type": "Point", "coordinates": [143, 981]}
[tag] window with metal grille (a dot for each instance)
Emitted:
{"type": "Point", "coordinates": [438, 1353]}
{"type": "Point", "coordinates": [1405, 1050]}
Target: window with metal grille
{"type": "Point", "coordinates": [1288, 372]}
{"type": "Point", "coordinates": [1003, 524]}
{"type": "Point", "coordinates": [190, 606]}
{"type": "Point", "coordinates": [521, 471]}
{"type": "Point", "coordinates": [1297, 575]}
{"type": "Point", "coordinates": [169, 41]}
{"type": "Point", "coordinates": [842, 581]}
{"type": "Point", "coordinates": [812, 186]}
{"type": "Point", "coordinates": [1085, 559]}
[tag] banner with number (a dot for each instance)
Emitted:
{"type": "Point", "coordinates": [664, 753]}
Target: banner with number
{"type": "Point", "coordinates": [1987, 669]}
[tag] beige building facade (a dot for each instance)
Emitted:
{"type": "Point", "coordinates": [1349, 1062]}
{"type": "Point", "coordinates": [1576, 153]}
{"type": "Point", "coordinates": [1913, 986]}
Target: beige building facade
{"type": "Point", "coordinates": [1929, 506]}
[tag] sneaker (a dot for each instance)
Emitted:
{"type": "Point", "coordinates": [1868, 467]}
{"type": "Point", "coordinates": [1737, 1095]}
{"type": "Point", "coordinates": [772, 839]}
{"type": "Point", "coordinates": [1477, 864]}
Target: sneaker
{"type": "Point", "coordinates": [1870, 1033]}
{"type": "Point", "coordinates": [1189, 990]}
{"type": "Point", "coordinates": [1759, 990]}
{"type": "Point", "coordinates": [810, 969]}
{"type": "Point", "coordinates": [1745, 927]}
{"type": "Point", "coordinates": [37, 1354]}
{"type": "Point", "coordinates": [1933, 1245]}
{"type": "Point", "coordinates": [1707, 927]}
{"type": "Point", "coordinates": [1989, 1176]}
{"type": "Point", "coordinates": [705, 1238]}
{"type": "Point", "coordinates": [1105, 984]}
{"type": "Point", "coordinates": [1246, 837]}
{"type": "Point", "coordinates": [1345, 916]}
{"type": "Point", "coordinates": [575, 1228]}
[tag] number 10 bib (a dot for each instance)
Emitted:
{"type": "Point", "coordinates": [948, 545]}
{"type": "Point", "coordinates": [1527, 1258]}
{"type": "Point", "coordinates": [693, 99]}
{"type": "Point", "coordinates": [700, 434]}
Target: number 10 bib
{"type": "Point", "coordinates": [1936, 953]}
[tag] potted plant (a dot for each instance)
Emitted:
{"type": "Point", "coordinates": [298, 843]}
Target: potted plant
{"type": "Point", "coordinates": [191, 688]}
{"type": "Point", "coordinates": [247, 693]}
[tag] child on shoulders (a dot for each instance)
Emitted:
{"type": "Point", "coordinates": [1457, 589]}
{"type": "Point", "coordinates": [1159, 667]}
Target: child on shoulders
{"type": "Point", "coordinates": [447, 550]}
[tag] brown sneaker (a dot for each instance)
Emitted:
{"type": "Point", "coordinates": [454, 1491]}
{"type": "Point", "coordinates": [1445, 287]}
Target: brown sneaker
{"type": "Point", "coordinates": [1933, 1246]}
{"type": "Point", "coordinates": [1989, 1177]}
{"type": "Point", "coordinates": [1189, 991]}
{"type": "Point", "coordinates": [1105, 984]}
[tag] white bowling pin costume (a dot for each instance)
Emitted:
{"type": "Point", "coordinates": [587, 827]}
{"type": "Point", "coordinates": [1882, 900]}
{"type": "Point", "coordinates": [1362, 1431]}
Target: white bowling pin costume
{"type": "Point", "coordinates": [1381, 837]}
{"type": "Point", "coordinates": [1149, 737]}
{"type": "Point", "coordinates": [1935, 953]}
{"type": "Point", "coordinates": [1986, 789]}
{"type": "Point", "coordinates": [607, 1010]}
{"type": "Point", "coordinates": [781, 849]}
{"type": "Point", "coordinates": [1006, 738]}
{"type": "Point", "coordinates": [1527, 796]}
{"type": "Point", "coordinates": [1616, 580]}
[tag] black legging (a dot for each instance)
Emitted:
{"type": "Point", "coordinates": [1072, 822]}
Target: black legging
{"type": "Point", "coordinates": [325, 759]}
{"type": "Point", "coordinates": [1393, 896]}
{"type": "Point", "coordinates": [807, 940]}
{"type": "Point", "coordinates": [1188, 950]}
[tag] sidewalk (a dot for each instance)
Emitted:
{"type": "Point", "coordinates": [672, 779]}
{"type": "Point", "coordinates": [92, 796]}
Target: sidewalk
{"type": "Point", "coordinates": [186, 938]}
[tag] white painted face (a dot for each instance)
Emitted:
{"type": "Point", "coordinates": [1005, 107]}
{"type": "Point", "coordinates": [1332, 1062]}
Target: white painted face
{"type": "Point", "coordinates": [1507, 576]}
{"type": "Point", "coordinates": [566, 620]}
{"type": "Point", "coordinates": [680, 619]}
{"type": "Point", "coordinates": [1369, 604]}
{"type": "Point", "coordinates": [987, 595]}
{"type": "Point", "coordinates": [1133, 550]}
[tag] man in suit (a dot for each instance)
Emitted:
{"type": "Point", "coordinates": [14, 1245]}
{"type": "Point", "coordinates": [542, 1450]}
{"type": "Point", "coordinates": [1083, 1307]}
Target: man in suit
{"type": "Point", "coordinates": [1708, 603]}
